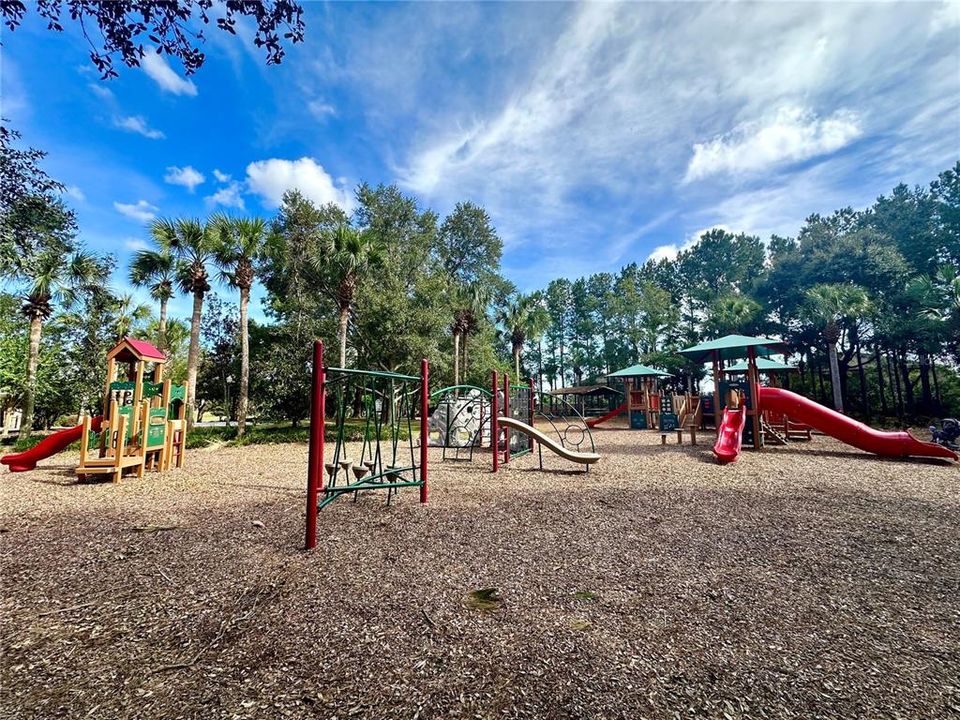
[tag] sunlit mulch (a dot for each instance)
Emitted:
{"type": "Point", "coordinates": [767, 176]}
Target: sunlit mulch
{"type": "Point", "coordinates": [807, 581]}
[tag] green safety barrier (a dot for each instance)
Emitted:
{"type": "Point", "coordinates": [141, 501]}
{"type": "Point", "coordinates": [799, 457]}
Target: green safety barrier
{"type": "Point", "coordinates": [156, 427]}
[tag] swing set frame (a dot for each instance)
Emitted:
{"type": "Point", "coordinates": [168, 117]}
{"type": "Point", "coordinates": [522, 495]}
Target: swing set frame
{"type": "Point", "coordinates": [390, 478]}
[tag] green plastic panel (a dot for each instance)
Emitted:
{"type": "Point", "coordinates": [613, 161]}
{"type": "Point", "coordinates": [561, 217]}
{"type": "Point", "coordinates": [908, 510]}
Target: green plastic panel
{"type": "Point", "coordinates": [152, 389]}
{"type": "Point", "coordinates": [156, 427]}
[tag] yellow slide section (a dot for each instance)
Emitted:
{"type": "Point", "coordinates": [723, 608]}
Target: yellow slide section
{"type": "Point", "coordinates": [548, 442]}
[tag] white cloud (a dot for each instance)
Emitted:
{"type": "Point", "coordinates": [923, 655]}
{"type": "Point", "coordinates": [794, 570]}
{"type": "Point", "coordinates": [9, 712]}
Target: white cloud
{"type": "Point", "coordinates": [189, 177]}
{"type": "Point", "coordinates": [74, 192]}
{"type": "Point", "coordinates": [137, 124]}
{"type": "Point", "coordinates": [135, 244]}
{"type": "Point", "coordinates": [946, 17]}
{"type": "Point", "coordinates": [142, 211]}
{"type": "Point", "coordinates": [104, 93]}
{"type": "Point", "coordinates": [159, 70]}
{"type": "Point", "coordinates": [228, 196]}
{"type": "Point", "coordinates": [671, 250]}
{"type": "Point", "coordinates": [600, 104]}
{"type": "Point", "coordinates": [321, 110]}
{"type": "Point", "coordinates": [271, 178]}
{"type": "Point", "coordinates": [790, 135]}
{"type": "Point", "coordinates": [221, 176]}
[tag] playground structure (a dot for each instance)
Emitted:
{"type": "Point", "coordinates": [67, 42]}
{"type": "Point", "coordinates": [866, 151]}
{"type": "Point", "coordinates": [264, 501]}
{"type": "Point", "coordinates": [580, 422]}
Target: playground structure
{"type": "Point", "coordinates": [743, 403]}
{"type": "Point", "coordinates": [594, 402]}
{"type": "Point", "coordinates": [644, 403]}
{"type": "Point", "coordinates": [777, 427]}
{"type": "Point", "coordinates": [689, 411]}
{"type": "Point", "coordinates": [142, 425]}
{"type": "Point", "coordinates": [460, 421]}
{"type": "Point", "coordinates": [514, 432]}
{"type": "Point", "coordinates": [382, 406]}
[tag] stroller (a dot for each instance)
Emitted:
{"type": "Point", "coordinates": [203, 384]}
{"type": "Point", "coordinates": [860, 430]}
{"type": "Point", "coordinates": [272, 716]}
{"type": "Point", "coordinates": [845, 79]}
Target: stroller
{"type": "Point", "coordinates": [948, 434]}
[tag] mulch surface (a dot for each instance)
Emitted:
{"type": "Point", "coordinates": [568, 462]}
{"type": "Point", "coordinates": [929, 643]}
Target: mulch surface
{"type": "Point", "coordinates": [811, 581]}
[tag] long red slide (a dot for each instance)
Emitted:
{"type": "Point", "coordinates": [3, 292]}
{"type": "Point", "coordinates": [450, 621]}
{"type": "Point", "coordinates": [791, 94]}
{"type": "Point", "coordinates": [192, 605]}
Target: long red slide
{"type": "Point", "coordinates": [593, 422]}
{"type": "Point", "coordinates": [848, 430]}
{"type": "Point", "coordinates": [730, 437]}
{"type": "Point", "coordinates": [50, 445]}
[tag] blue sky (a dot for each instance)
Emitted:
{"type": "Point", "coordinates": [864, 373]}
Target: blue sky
{"type": "Point", "coordinates": [595, 135]}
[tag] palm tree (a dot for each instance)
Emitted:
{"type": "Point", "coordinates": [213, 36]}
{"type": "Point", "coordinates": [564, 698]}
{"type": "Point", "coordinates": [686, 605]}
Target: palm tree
{"type": "Point", "coordinates": [156, 270]}
{"type": "Point", "coordinates": [938, 297]}
{"type": "Point", "coordinates": [732, 313]}
{"type": "Point", "coordinates": [127, 315]}
{"type": "Point", "coordinates": [523, 318]}
{"type": "Point", "coordinates": [240, 245]}
{"type": "Point", "coordinates": [457, 328]}
{"type": "Point", "coordinates": [193, 244]}
{"type": "Point", "coordinates": [828, 306]}
{"type": "Point", "coordinates": [477, 297]}
{"type": "Point", "coordinates": [349, 257]}
{"type": "Point", "coordinates": [50, 276]}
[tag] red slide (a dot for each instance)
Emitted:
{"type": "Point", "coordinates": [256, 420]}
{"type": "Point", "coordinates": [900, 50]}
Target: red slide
{"type": "Point", "coordinates": [730, 437]}
{"type": "Point", "coordinates": [50, 445]}
{"type": "Point", "coordinates": [593, 422]}
{"type": "Point", "coordinates": [848, 430]}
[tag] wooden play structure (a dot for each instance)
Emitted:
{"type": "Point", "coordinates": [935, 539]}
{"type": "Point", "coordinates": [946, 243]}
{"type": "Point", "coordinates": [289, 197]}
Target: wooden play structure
{"type": "Point", "coordinates": [777, 428]}
{"type": "Point", "coordinates": [689, 411]}
{"type": "Point", "coordinates": [643, 399]}
{"type": "Point", "coordinates": [143, 424]}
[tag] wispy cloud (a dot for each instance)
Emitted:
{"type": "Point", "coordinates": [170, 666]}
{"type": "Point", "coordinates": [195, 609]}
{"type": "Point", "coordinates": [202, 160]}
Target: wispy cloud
{"type": "Point", "coordinates": [74, 192]}
{"type": "Point", "coordinates": [138, 124]}
{"type": "Point", "coordinates": [321, 110]}
{"type": "Point", "coordinates": [135, 244]}
{"type": "Point", "coordinates": [102, 92]}
{"type": "Point", "coordinates": [162, 74]}
{"type": "Point", "coordinates": [790, 135]}
{"type": "Point", "coordinates": [271, 178]}
{"type": "Point", "coordinates": [141, 211]}
{"type": "Point", "coordinates": [627, 101]}
{"type": "Point", "coordinates": [188, 177]}
{"type": "Point", "coordinates": [221, 177]}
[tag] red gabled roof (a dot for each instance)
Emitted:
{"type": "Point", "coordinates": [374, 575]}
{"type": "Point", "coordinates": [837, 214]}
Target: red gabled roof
{"type": "Point", "coordinates": [148, 351]}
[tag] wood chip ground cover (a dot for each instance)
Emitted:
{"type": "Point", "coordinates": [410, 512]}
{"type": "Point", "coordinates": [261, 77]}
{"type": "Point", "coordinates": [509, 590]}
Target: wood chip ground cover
{"type": "Point", "coordinates": [804, 581]}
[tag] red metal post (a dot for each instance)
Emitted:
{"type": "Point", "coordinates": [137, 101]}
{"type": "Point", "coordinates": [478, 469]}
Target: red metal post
{"type": "Point", "coordinates": [506, 413]}
{"type": "Point", "coordinates": [424, 425]}
{"type": "Point", "coordinates": [315, 462]}
{"type": "Point", "coordinates": [494, 425]}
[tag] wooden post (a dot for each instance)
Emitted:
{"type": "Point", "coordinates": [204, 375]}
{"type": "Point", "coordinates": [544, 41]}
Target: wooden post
{"type": "Point", "coordinates": [111, 370]}
{"type": "Point", "coordinates": [494, 424]}
{"type": "Point", "coordinates": [84, 439]}
{"type": "Point", "coordinates": [315, 458]}
{"type": "Point", "coordinates": [754, 394]}
{"type": "Point", "coordinates": [121, 426]}
{"type": "Point", "coordinates": [424, 425]}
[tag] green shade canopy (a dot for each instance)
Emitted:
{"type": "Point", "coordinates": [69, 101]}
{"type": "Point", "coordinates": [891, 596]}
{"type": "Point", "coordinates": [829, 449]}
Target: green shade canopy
{"type": "Point", "coordinates": [639, 371]}
{"type": "Point", "coordinates": [763, 365]}
{"type": "Point", "coordinates": [733, 347]}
